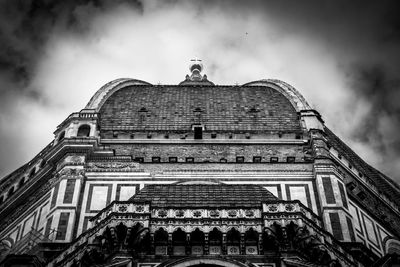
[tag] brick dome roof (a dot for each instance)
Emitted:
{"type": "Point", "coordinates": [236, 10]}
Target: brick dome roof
{"type": "Point", "coordinates": [218, 108]}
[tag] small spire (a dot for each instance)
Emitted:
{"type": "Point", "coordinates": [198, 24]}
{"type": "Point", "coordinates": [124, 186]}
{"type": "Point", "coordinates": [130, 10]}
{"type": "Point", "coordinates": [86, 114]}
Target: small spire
{"type": "Point", "coordinates": [196, 67]}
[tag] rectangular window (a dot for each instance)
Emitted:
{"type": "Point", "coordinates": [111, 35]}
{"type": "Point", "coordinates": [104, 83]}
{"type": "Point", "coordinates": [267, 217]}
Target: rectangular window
{"type": "Point", "coordinates": [62, 226]}
{"type": "Point", "coordinates": [198, 132]}
{"type": "Point", "coordinates": [173, 159]}
{"type": "Point", "coordinates": [48, 227]}
{"type": "Point", "coordinates": [69, 191]}
{"type": "Point", "coordinates": [351, 186]}
{"type": "Point", "coordinates": [362, 195]}
{"type": "Point", "coordinates": [257, 159]}
{"type": "Point", "coordinates": [55, 195]}
{"type": "Point", "coordinates": [189, 159]}
{"type": "Point", "coordinates": [155, 159]}
{"type": "Point", "coordinates": [336, 226]}
{"type": "Point", "coordinates": [351, 230]}
{"type": "Point", "coordinates": [343, 195]}
{"type": "Point", "coordinates": [273, 159]}
{"type": "Point", "coordinates": [239, 159]}
{"type": "Point", "coordinates": [327, 183]}
{"type": "Point", "coordinates": [139, 159]}
{"type": "Point", "coordinates": [290, 159]}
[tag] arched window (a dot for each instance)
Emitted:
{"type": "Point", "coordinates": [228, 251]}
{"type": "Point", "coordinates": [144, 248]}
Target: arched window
{"type": "Point", "coordinates": [43, 163]}
{"type": "Point", "coordinates": [61, 136]}
{"type": "Point", "coordinates": [5, 247]}
{"type": "Point", "coordinates": [121, 231]}
{"type": "Point", "coordinates": [32, 173]}
{"type": "Point", "coordinates": [215, 239]}
{"type": "Point", "coordinates": [251, 241]}
{"type": "Point", "coordinates": [197, 242]}
{"type": "Point", "coordinates": [21, 182]}
{"type": "Point", "coordinates": [108, 240]}
{"type": "Point", "coordinates": [161, 242]}
{"type": "Point", "coordinates": [83, 131]}
{"type": "Point", "coordinates": [233, 241]}
{"type": "Point", "coordinates": [179, 242]}
{"type": "Point", "coordinates": [393, 246]}
{"type": "Point", "coordinates": [11, 191]}
{"type": "Point", "coordinates": [270, 238]}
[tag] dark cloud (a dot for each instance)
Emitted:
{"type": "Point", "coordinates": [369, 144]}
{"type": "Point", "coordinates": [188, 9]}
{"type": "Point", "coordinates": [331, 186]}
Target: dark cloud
{"type": "Point", "coordinates": [377, 86]}
{"type": "Point", "coordinates": [344, 55]}
{"type": "Point", "coordinates": [26, 26]}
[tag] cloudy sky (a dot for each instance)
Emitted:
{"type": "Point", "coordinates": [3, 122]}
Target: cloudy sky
{"type": "Point", "coordinates": [343, 56]}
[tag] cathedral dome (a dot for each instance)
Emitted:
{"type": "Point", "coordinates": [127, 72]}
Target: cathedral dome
{"type": "Point", "coordinates": [247, 108]}
{"type": "Point", "coordinates": [179, 175]}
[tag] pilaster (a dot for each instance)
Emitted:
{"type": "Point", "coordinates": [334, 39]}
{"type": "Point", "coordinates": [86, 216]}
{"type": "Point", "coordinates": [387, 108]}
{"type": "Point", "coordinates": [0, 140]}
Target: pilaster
{"type": "Point", "coordinates": [331, 191]}
{"type": "Point", "coordinates": [65, 197]}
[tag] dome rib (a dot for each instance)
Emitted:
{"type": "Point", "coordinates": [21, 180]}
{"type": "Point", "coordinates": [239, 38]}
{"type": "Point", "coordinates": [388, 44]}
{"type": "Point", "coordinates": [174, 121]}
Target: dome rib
{"type": "Point", "coordinates": [108, 89]}
{"type": "Point", "coordinates": [294, 96]}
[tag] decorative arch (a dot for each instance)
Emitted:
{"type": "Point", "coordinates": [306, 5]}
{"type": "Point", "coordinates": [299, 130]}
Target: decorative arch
{"type": "Point", "coordinates": [217, 227]}
{"type": "Point", "coordinates": [161, 237]}
{"type": "Point", "coordinates": [5, 247]}
{"type": "Point", "coordinates": [159, 228]}
{"type": "Point", "coordinates": [215, 237]}
{"type": "Point", "coordinates": [7, 242]}
{"type": "Point", "coordinates": [21, 182]}
{"type": "Point", "coordinates": [233, 237]}
{"type": "Point", "coordinates": [42, 163]}
{"type": "Point", "coordinates": [197, 237]}
{"type": "Point", "coordinates": [295, 98]}
{"type": "Point", "coordinates": [83, 131]}
{"type": "Point", "coordinates": [61, 136]}
{"type": "Point", "coordinates": [179, 236]}
{"type": "Point", "coordinates": [392, 246]}
{"type": "Point", "coordinates": [251, 236]}
{"type": "Point", "coordinates": [187, 262]}
{"type": "Point", "coordinates": [97, 101]}
{"type": "Point", "coordinates": [230, 228]}
{"type": "Point", "coordinates": [10, 191]}
{"type": "Point", "coordinates": [32, 172]}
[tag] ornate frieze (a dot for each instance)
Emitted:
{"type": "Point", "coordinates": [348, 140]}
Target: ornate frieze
{"type": "Point", "coordinates": [71, 160]}
{"type": "Point", "coordinates": [127, 218]}
{"type": "Point", "coordinates": [70, 172]}
{"type": "Point", "coordinates": [110, 166]}
{"type": "Point", "coordinates": [205, 213]}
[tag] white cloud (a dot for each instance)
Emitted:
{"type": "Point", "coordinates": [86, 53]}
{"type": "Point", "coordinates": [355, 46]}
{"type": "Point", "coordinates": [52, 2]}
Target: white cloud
{"type": "Point", "coordinates": [156, 46]}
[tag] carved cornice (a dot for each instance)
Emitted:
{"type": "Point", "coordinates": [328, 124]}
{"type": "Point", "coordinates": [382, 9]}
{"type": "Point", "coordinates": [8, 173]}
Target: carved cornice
{"type": "Point", "coordinates": [110, 166]}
